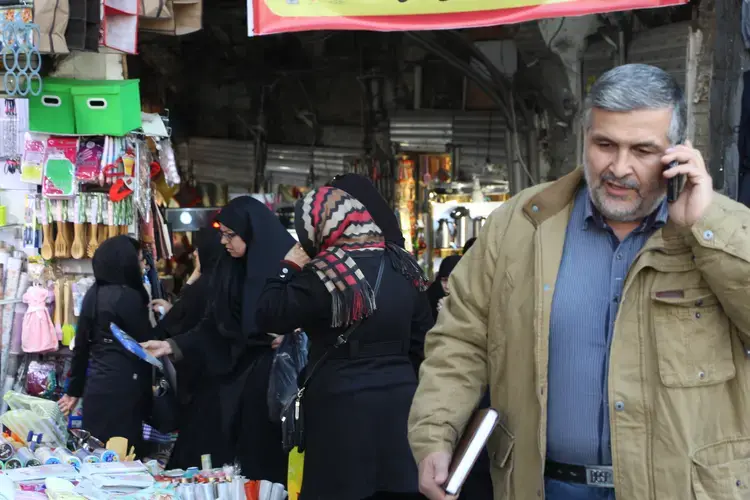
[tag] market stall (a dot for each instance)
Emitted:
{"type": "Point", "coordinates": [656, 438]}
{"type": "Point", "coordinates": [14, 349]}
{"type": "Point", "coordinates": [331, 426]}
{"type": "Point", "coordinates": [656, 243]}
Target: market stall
{"type": "Point", "coordinates": [82, 164]}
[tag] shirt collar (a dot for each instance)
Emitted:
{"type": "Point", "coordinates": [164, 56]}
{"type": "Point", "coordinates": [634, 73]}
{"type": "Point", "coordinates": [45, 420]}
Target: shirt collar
{"type": "Point", "coordinates": [591, 215]}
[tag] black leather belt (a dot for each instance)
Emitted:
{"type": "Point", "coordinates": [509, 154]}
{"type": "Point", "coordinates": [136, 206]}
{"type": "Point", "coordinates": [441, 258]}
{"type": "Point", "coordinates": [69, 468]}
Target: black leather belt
{"type": "Point", "coordinates": [355, 349]}
{"type": "Point", "coordinates": [600, 476]}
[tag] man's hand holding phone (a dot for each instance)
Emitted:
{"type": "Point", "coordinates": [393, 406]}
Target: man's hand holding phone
{"type": "Point", "coordinates": [698, 191]}
{"type": "Point", "coordinates": [433, 473]}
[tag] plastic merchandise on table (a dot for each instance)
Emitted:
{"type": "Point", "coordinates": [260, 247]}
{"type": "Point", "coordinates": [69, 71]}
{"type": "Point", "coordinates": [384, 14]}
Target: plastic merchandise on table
{"type": "Point", "coordinates": [40, 416]}
{"type": "Point", "coordinates": [289, 360]}
{"type": "Point", "coordinates": [155, 492]}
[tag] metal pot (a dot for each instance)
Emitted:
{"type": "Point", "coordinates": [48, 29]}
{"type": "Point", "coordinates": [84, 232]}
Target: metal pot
{"type": "Point", "coordinates": [443, 234]}
{"type": "Point", "coordinates": [478, 224]}
{"type": "Point", "coordinates": [460, 217]}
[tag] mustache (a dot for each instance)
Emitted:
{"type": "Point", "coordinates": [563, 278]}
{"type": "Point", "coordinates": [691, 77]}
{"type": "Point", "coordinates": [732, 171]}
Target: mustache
{"type": "Point", "coordinates": [623, 182]}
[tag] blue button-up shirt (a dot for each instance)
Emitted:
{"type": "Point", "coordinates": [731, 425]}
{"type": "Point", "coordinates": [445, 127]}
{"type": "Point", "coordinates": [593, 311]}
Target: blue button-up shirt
{"type": "Point", "coordinates": [587, 294]}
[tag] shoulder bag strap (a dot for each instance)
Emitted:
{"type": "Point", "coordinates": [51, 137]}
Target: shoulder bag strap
{"type": "Point", "coordinates": [341, 339]}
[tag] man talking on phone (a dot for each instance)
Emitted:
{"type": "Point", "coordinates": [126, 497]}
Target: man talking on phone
{"type": "Point", "coordinates": [609, 324]}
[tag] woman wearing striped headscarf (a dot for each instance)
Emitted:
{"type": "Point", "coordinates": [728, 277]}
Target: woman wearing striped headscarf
{"type": "Point", "coordinates": [356, 405]}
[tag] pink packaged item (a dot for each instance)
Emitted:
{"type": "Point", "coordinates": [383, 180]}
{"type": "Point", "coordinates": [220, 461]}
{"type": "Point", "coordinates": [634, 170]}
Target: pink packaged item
{"type": "Point", "coordinates": [38, 333]}
{"type": "Point", "coordinates": [88, 164]}
{"type": "Point", "coordinates": [41, 380]}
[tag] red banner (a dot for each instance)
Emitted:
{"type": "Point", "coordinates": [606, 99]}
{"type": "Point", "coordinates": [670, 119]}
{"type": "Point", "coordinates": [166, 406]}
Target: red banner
{"type": "Point", "coordinates": [282, 16]}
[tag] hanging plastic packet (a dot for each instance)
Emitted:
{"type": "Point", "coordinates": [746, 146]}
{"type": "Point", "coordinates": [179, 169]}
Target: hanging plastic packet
{"type": "Point", "coordinates": [79, 289]}
{"type": "Point", "coordinates": [59, 181]}
{"type": "Point", "coordinates": [34, 152]}
{"type": "Point", "coordinates": [41, 380]}
{"type": "Point", "coordinates": [88, 162]}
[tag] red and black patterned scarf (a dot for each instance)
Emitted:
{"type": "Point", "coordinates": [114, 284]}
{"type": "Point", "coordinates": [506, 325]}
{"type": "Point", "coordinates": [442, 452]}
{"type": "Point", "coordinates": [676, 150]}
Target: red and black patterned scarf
{"type": "Point", "coordinates": [331, 225]}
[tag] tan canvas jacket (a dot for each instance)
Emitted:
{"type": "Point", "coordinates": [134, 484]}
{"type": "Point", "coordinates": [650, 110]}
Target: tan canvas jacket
{"type": "Point", "coordinates": [678, 366]}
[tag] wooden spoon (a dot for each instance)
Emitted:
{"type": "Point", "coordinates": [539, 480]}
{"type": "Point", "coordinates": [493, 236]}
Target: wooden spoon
{"type": "Point", "coordinates": [93, 239]}
{"type": "Point", "coordinates": [78, 250]}
{"type": "Point", "coordinates": [47, 250]}
{"type": "Point", "coordinates": [103, 235]}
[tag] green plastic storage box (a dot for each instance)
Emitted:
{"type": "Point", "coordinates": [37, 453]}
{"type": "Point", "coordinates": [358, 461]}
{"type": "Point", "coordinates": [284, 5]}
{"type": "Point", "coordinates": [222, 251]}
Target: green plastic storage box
{"type": "Point", "coordinates": [109, 107]}
{"type": "Point", "coordinates": [52, 110]}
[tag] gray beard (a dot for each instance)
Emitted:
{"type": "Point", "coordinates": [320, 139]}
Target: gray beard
{"type": "Point", "coordinates": [641, 211]}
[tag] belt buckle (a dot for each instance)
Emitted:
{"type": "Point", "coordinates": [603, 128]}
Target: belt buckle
{"type": "Point", "coordinates": [600, 476]}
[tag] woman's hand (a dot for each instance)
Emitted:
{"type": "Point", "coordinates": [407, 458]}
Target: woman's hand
{"type": "Point", "coordinates": [157, 303]}
{"type": "Point", "coordinates": [441, 303]}
{"type": "Point", "coordinates": [297, 255]}
{"type": "Point", "coordinates": [157, 348]}
{"type": "Point", "coordinates": [67, 404]}
{"type": "Point", "coordinates": [277, 342]}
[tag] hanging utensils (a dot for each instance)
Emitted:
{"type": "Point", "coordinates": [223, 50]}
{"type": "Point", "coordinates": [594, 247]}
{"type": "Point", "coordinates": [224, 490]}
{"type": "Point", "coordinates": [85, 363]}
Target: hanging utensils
{"type": "Point", "coordinates": [94, 217]}
{"type": "Point", "coordinates": [78, 249]}
{"type": "Point", "coordinates": [47, 248]}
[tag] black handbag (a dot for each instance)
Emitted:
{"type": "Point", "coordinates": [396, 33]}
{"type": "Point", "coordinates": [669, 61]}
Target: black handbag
{"type": "Point", "coordinates": [293, 414]}
{"type": "Point", "coordinates": [164, 404]}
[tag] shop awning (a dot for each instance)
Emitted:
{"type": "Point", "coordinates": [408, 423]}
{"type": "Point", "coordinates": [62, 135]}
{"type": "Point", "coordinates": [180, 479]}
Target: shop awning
{"type": "Point", "coordinates": [284, 16]}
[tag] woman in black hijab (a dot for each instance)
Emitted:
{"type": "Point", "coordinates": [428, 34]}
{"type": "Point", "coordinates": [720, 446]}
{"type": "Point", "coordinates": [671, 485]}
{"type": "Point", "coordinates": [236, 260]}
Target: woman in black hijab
{"type": "Point", "coordinates": [115, 385]}
{"type": "Point", "coordinates": [439, 287]}
{"type": "Point", "coordinates": [230, 347]}
{"type": "Point", "coordinates": [197, 393]}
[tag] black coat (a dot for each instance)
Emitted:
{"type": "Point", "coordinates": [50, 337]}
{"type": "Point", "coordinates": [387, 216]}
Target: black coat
{"type": "Point", "coordinates": [115, 384]}
{"type": "Point", "coordinates": [357, 405]}
{"type": "Point", "coordinates": [234, 354]}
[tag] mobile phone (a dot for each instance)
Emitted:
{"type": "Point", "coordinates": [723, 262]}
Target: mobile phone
{"type": "Point", "coordinates": [674, 185]}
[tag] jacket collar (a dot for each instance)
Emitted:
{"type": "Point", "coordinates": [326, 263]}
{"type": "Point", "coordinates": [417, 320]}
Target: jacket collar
{"type": "Point", "coordinates": [553, 198]}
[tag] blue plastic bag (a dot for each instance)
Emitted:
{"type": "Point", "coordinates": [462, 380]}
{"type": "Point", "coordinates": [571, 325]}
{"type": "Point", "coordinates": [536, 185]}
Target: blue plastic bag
{"type": "Point", "coordinates": [290, 358]}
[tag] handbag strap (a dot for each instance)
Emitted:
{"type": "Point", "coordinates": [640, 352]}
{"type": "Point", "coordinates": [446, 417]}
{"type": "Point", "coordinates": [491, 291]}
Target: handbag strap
{"type": "Point", "coordinates": [342, 339]}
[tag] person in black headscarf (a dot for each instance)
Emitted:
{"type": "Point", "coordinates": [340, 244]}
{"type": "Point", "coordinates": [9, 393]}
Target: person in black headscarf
{"type": "Point", "coordinates": [360, 188]}
{"type": "Point", "coordinates": [231, 348]}
{"type": "Point", "coordinates": [439, 287]}
{"type": "Point", "coordinates": [196, 393]}
{"type": "Point", "coordinates": [115, 384]}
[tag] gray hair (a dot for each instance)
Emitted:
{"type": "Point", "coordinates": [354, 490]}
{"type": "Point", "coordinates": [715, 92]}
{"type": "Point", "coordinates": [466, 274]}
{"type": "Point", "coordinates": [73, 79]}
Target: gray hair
{"type": "Point", "coordinates": [639, 86]}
